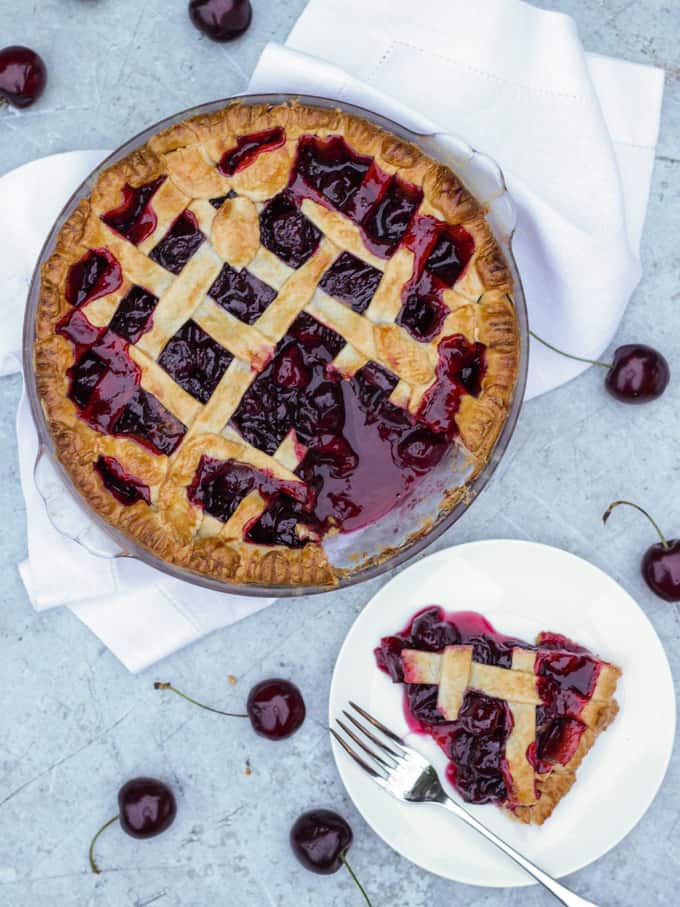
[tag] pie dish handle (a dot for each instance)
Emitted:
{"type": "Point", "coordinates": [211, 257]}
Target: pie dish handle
{"type": "Point", "coordinates": [482, 176]}
{"type": "Point", "coordinates": [68, 517]}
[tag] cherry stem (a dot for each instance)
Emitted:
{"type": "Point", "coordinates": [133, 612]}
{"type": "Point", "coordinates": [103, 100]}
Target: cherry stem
{"type": "Point", "coordinates": [608, 511]}
{"type": "Point", "coordinates": [93, 863]}
{"type": "Point", "coordinates": [168, 686]}
{"type": "Point", "coordinates": [361, 888]}
{"type": "Point", "coordinates": [556, 349]}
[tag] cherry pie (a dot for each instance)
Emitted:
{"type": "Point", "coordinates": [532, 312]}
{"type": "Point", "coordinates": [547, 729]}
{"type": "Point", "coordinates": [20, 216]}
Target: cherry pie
{"type": "Point", "coordinates": [514, 719]}
{"type": "Point", "coordinates": [267, 325]}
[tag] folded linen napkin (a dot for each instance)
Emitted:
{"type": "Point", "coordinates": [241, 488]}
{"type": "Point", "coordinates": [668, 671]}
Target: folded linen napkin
{"type": "Point", "coordinates": [575, 135]}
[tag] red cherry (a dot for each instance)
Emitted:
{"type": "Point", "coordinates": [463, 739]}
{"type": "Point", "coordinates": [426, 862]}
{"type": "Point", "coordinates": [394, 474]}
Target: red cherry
{"type": "Point", "coordinates": [147, 807]}
{"type": "Point", "coordinates": [275, 707]}
{"type": "Point", "coordinates": [23, 75]}
{"type": "Point", "coordinates": [320, 840]}
{"type": "Point", "coordinates": [661, 561]}
{"type": "Point", "coordinates": [638, 374]}
{"type": "Point", "coordinates": [221, 20]}
{"type": "Point", "coordinates": [661, 569]}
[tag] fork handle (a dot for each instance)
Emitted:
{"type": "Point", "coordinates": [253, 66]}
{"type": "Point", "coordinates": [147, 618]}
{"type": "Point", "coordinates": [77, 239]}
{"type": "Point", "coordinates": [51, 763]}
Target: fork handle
{"type": "Point", "coordinates": [554, 887]}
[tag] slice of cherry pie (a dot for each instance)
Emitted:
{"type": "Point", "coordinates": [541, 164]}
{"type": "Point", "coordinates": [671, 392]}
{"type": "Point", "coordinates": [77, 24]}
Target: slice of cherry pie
{"type": "Point", "coordinates": [514, 719]}
{"type": "Point", "coordinates": [267, 325]}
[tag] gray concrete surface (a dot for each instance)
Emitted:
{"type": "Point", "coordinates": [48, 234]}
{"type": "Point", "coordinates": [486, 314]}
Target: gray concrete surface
{"type": "Point", "coordinates": [74, 724]}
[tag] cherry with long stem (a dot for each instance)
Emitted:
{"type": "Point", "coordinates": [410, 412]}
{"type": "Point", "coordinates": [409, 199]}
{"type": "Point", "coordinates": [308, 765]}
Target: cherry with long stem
{"type": "Point", "coordinates": [661, 561]}
{"type": "Point", "coordinates": [637, 374]}
{"type": "Point", "coordinates": [320, 839]}
{"type": "Point", "coordinates": [146, 808]}
{"type": "Point", "coordinates": [275, 707]}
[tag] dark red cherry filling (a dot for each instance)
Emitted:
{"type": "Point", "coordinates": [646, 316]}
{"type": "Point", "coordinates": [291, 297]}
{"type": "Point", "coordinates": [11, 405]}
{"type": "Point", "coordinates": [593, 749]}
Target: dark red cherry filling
{"type": "Point", "coordinates": [241, 293]}
{"type": "Point", "coordinates": [328, 171]}
{"type": "Point", "coordinates": [286, 232]}
{"type": "Point", "coordinates": [218, 202]}
{"type": "Point", "coordinates": [249, 147]}
{"type": "Point", "coordinates": [104, 385]}
{"type": "Point", "coordinates": [422, 314]}
{"type": "Point", "coordinates": [452, 252]}
{"type": "Point", "coordinates": [84, 376]}
{"type": "Point", "coordinates": [133, 318]}
{"type": "Point", "coordinates": [125, 488]}
{"type": "Point", "coordinates": [179, 244]}
{"type": "Point", "coordinates": [363, 454]}
{"type": "Point", "coordinates": [284, 393]}
{"type": "Point", "coordinates": [219, 486]}
{"type": "Point", "coordinates": [441, 254]}
{"type": "Point", "coordinates": [386, 223]}
{"type": "Point", "coordinates": [97, 274]}
{"type": "Point", "coordinates": [460, 370]}
{"type": "Point", "coordinates": [566, 681]}
{"type": "Point", "coordinates": [146, 420]}
{"type": "Point", "coordinates": [475, 742]}
{"type": "Point", "coordinates": [476, 748]}
{"type": "Point", "coordinates": [195, 361]}
{"type": "Point", "coordinates": [284, 522]}
{"type": "Point", "coordinates": [135, 219]}
{"type": "Point", "coordinates": [102, 381]}
{"type": "Point", "coordinates": [351, 281]}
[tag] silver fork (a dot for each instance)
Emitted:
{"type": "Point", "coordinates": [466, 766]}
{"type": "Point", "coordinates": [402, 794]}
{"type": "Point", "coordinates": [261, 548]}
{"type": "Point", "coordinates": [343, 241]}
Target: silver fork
{"type": "Point", "coordinates": [404, 773]}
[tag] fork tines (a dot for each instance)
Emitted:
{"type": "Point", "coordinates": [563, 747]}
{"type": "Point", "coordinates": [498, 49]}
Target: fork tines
{"type": "Point", "coordinates": [385, 756]}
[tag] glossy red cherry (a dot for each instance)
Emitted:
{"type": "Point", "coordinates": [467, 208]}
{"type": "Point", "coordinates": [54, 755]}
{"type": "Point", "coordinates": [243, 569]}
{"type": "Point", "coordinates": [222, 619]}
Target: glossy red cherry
{"type": "Point", "coordinates": [638, 373]}
{"type": "Point", "coordinates": [275, 707]}
{"type": "Point", "coordinates": [661, 561]}
{"type": "Point", "coordinates": [147, 807]}
{"type": "Point", "coordinates": [221, 20]}
{"type": "Point", "coordinates": [23, 75]}
{"type": "Point", "coordinates": [320, 840]}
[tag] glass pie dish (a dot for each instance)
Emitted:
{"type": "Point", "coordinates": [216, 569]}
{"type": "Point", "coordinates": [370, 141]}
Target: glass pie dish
{"type": "Point", "coordinates": [432, 505]}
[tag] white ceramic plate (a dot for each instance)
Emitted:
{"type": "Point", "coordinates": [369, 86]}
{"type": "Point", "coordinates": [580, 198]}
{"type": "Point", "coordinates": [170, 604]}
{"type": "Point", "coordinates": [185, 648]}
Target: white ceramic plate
{"type": "Point", "coordinates": [522, 588]}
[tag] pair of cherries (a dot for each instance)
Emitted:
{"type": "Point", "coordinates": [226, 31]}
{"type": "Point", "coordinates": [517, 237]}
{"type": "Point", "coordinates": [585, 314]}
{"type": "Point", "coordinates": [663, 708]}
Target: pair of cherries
{"type": "Point", "coordinates": [319, 838]}
{"type": "Point", "coordinates": [23, 74]}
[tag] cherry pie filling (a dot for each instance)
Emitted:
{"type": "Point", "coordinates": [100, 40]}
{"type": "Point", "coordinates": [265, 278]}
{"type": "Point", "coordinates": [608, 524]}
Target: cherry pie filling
{"type": "Point", "coordinates": [135, 218]}
{"type": "Point", "coordinates": [248, 147]}
{"type": "Point", "coordinates": [361, 454]}
{"type": "Point", "coordinates": [125, 488]}
{"type": "Point", "coordinates": [475, 742]}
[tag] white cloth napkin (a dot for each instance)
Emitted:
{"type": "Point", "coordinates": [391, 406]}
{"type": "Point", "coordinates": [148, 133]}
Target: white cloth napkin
{"type": "Point", "coordinates": [140, 614]}
{"type": "Point", "coordinates": [575, 134]}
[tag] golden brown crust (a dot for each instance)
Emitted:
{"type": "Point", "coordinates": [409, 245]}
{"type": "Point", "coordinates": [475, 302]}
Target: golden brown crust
{"type": "Point", "coordinates": [183, 158]}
